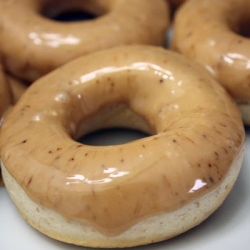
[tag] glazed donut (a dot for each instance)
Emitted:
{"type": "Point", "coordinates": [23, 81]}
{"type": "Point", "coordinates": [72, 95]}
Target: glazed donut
{"type": "Point", "coordinates": [144, 191]}
{"type": "Point", "coordinates": [211, 36]}
{"type": "Point", "coordinates": [39, 45]}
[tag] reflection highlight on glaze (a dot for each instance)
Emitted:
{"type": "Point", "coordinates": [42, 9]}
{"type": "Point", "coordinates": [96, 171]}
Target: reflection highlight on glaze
{"type": "Point", "coordinates": [212, 42]}
{"type": "Point", "coordinates": [48, 112]}
{"type": "Point", "coordinates": [231, 58]}
{"type": "Point", "coordinates": [53, 39]}
{"type": "Point", "coordinates": [197, 185]}
{"type": "Point", "coordinates": [142, 66]}
{"type": "Point", "coordinates": [111, 173]}
{"type": "Point", "coordinates": [37, 117]}
{"type": "Point", "coordinates": [62, 96]}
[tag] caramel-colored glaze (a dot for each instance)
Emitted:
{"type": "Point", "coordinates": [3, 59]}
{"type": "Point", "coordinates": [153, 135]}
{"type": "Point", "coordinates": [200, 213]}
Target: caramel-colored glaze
{"type": "Point", "coordinates": [208, 31]}
{"type": "Point", "coordinates": [5, 93]}
{"type": "Point", "coordinates": [195, 128]}
{"type": "Point", "coordinates": [33, 45]}
{"type": "Point", "coordinates": [17, 87]}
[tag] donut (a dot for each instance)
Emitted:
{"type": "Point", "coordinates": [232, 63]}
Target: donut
{"type": "Point", "coordinates": [40, 44]}
{"type": "Point", "coordinates": [144, 191]}
{"type": "Point", "coordinates": [216, 38]}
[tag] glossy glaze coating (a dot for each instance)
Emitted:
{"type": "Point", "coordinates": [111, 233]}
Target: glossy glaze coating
{"type": "Point", "coordinates": [33, 44]}
{"type": "Point", "coordinates": [208, 31]}
{"type": "Point", "coordinates": [195, 127]}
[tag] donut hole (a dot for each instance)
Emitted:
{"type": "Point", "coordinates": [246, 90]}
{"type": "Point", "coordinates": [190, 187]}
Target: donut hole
{"type": "Point", "coordinates": [74, 10]}
{"type": "Point", "coordinates": [115, 136]}
{"type": "Point", "coordinates": [74, 15]}
{"type": "Point", "coordinates": [244, 28]}
{"type": "Point", "coordinates": [112, 125]}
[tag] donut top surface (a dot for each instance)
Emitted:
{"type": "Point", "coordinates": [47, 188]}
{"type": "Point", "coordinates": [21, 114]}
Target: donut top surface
{"type": "Point", "coordinates": [195, 135]}
{"type": "Point", "coordinates": [211, 32]}
{"type": "Point", "coordinates": [33, 44]}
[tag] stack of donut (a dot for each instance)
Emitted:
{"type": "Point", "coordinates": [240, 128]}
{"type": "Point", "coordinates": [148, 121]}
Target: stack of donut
{"type": "Point", "coordinates": [114, 71]}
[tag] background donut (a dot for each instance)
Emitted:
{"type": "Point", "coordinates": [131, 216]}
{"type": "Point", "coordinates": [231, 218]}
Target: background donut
{"type": "Point", "coordinates": [218, 38]}
{"type": "Point", "coordinates": [33, 44]}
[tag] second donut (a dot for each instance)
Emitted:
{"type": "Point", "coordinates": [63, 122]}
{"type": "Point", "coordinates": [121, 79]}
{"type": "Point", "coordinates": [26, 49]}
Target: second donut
{"type": "Point", "coordinates": [33, 44]}
{"type": "Point", "coordinates": [218, 39]}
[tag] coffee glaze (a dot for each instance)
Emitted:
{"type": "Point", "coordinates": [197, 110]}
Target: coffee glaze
{"type": "Point", "coordinates": [196, 138]}
{"type": "Point", "coordinates": [33, 44]}
{"type": "Point", "coordinates": [212, 36]}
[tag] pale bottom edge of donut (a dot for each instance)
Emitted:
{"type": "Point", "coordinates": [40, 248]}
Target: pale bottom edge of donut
{"type": "Point", "coordinates": [245, 111]}
{"type": "Point", "coordinates": [150, 230]}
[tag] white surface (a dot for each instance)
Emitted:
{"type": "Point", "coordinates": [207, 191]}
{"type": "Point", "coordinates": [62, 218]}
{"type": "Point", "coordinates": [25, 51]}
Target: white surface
{"type": "Point", "coordinates": [227, 229]}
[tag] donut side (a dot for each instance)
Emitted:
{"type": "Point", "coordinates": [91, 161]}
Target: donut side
{"type": "Point", "coordinates": [153, 229]}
